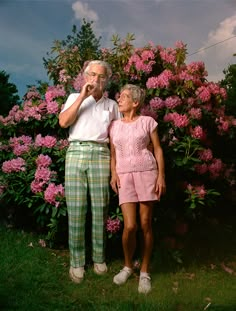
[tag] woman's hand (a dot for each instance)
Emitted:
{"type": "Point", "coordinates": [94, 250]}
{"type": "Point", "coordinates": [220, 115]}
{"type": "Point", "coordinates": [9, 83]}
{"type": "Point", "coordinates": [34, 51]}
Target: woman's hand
{"type": "Point", "coordinates": [160, 187]}
{"type": "Point", "coordinates": [115, 183]}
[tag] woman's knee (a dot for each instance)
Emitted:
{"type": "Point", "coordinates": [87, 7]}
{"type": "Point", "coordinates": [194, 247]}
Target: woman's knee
{"type": "Point", "coordinates": [130, 228]}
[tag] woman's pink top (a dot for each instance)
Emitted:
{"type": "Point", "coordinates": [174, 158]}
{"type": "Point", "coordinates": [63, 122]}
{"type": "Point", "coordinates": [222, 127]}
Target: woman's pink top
{"type": "Point", "coordinates": [131, 141]}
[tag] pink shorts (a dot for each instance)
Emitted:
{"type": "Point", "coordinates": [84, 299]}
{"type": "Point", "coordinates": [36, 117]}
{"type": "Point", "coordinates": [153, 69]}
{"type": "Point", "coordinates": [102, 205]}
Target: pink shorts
{"type": "Point", "coordinates": [137, 187]}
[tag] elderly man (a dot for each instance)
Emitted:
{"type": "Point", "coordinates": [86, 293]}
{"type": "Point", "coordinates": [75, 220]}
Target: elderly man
{"type": "Point", "coordinates": [88, 115]}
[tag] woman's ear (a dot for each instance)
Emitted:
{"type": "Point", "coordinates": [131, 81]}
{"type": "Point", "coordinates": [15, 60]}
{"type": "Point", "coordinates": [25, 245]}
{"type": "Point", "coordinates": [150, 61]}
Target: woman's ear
{"type": "Point", "coordinates": [135, 104]}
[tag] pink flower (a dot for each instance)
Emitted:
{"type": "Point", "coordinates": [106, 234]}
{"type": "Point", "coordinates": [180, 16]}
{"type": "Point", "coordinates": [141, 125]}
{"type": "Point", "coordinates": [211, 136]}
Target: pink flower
{"type": "Point", "coordinates": [54, 192]}
{"type": "Point", "coordinates": [201, 168]}
{"type": "Point", "coordinates": [146, 111]}
{"type": "Point", "coordinates": [161, 81]}
{"type": "Point", "coordinates": [52, 107]}
{"type": "Point", "coordinates": [54, 92]}
{"type": "Point", "coordinates": [215, 168]}
{"type": "Point", "coordinates": [14, 165]}
{"type": "Point", "coordinates": [47, 141]}
{"type": "Point", "coordinates": [168, 55]}
{"type": "Point", "coordinates": [156, 103]}
{"type": "Point", "coordinates": [172, 102]}
{"type": "Point", "coordinates": [42, 174]}
{"type": "Point", "coordinates": [205, 155]}
{"type": "Point", "coordinates": [197, 132]}
{"type": "Point", "coordinates": [78, 82]}
{"type": "Point", "coordinates": [203, 93]}
{"type": "Point", "coordinates": [113, 225]}
{"type": "Point", "coordinates": [195, 113]}
{"type": "Point", "coordinates": [179, 120]}
{"type": "Point", "coordinates": [43, 160]}
{"type": "Point", "coordinates": [37, 186]}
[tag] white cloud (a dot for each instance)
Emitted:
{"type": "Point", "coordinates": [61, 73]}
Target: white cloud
{"type": "Point", "coordinates": [223, 36]}
{"type": "Point", "coordinates": [217, 52]}
{"type": "Point", "coordinates": [82, 10]}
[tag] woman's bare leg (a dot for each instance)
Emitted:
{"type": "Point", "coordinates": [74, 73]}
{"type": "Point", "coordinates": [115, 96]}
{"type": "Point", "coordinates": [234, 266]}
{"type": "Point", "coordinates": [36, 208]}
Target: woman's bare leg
{"type": "Point", "coordinates": [129, 232]}
{"type": "Point", "coordinates": [146, 209]}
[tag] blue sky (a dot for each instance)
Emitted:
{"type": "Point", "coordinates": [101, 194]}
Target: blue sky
{"type": "Point", "coordinates": [29, 27]}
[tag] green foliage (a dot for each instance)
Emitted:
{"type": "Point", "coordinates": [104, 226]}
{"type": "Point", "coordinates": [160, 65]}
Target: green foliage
{"type": "Point", "coordinates": [229, 82]}
{"type": "Point", "coordinates": [9, 94]}
{"type": "Point", "coordinates": [192, 125]}
{"type": "Point", "coordinates": [71, 53]}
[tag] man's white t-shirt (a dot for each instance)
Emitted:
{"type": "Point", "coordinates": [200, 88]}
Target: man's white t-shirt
{"type": "Point", "coordinates": [93, 120]}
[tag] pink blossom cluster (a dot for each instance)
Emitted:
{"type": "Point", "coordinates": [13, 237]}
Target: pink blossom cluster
{"type": "Point", "coordinates": [51, 94]}
{"type": "Point", "coordinates": [113, 225]}
{"type": "Point", "coordinates": [172, 102]}
{"type": "Point", "coordinates": [47, 141]}
{"type": "Point", "coordinates": [43, 174]}
{"type": "Point", "coordinates": [161, 81]}
{"type": "Point", "coordinates": [199, 191]}
{"type": "Point", "coordinates": [157, 103]}
{"type": "Point", "coordinates": [63, 76]}
{"type": "Point", "coordinates": [14, 165]}
{"type": "Point", "coordinates": [20, 145]}
{"type": "Point", "coordinates": [148, 111]}
{"type": "Point", "coordinates": [197, 132]}
{"type": "Point", "coordinates": [215, 168]}
{"type": "Point", "coordinates": [53, 193]}
{"type": "Point", "coordinates": [197, 68]}
{"type": "Point", "coordinates": [179, 120]}
{"type": "Point", "coordinates": [54, 92]}
{"type": "Point", "coordinates": [32, 93]}
{"type": "Point", "coordinates": [195, 113]}
{"type": "Point", "coordinates": [78, 82]}
{"type": "Point", "coordinates": [62, 143]}
{"type": "Point", "coordinates": [168, 55]}
{"type": "Point", "coordinates": [205, 155]}
{"type": "Point", "coordinates": [141, 60]}
{"type": "Point", "coordinates": [224, 123]}
{"type": "Point", "coordinates": [43, 160]}
{"type": "Point", "coordinates": [205, 92]}
{"type": "Point", "coordinates": [30, 110]}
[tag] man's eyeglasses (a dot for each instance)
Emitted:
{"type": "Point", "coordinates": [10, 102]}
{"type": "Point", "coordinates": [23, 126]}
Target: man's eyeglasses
{"type": "Point", "coordinates": [94, 74]}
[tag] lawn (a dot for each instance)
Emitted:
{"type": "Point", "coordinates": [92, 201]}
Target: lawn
{"type": "Point", "coordinates": [33, 277]}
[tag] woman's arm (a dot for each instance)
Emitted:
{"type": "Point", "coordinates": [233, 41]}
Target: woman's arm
{"type": "Point", "coordinates": [115, 182]}
{"type": "Point", "coordinates": [158, 154]}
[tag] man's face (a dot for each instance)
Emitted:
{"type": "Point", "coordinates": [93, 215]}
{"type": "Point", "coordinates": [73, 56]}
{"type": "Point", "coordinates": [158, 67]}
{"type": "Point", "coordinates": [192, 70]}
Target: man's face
{"type": "Point", "coordinates": [97, 75]}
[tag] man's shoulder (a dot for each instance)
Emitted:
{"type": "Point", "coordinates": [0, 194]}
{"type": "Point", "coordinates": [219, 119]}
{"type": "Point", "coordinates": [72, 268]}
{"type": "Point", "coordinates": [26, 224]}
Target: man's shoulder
{"type": "Point", "coordinates": [110, 101]}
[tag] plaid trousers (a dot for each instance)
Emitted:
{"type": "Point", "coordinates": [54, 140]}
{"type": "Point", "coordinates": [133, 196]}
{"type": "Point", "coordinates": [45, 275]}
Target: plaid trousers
{"type": "Point", "coordinates": [87, 171]}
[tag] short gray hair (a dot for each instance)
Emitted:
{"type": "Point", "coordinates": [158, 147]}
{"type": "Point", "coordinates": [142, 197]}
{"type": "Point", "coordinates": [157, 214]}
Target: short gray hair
{"type": "Point", "coordinates": [101, 63]}
{"type": "Point", "coordinates": [138, 94]}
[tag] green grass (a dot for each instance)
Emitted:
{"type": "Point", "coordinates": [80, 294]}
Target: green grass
{"type": "Point", "coordinates": [35, 278]}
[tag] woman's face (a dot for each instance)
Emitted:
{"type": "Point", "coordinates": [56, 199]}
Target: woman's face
{"type": "Point", "coordinates": [125, 101]}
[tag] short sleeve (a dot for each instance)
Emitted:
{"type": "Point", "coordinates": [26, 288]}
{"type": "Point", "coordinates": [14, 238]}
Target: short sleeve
{"type": "Point", "coordinates": [111, 129]}
{"type": "Point", "coordinates": [152, 124]}
{"type": "Point", "coordinates": [70, 100]}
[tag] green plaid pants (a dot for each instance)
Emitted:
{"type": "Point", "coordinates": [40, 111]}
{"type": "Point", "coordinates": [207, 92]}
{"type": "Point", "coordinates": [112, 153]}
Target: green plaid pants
{"type": "Point", "coordinates": [87, 171]}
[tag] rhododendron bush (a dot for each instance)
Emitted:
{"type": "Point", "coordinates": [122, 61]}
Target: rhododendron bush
{"type": "Point", "coordinates": [192, 125]}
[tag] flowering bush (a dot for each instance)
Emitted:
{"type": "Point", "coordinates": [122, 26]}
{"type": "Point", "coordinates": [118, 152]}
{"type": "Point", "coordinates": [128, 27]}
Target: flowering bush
{"type": "Point", "coordinates": [192, 126]}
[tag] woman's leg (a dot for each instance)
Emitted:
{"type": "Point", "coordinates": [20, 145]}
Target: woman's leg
{"type": "Point", "coordinates": [146, 209]}
{"type": "Point", "coordinates": [129, 232]}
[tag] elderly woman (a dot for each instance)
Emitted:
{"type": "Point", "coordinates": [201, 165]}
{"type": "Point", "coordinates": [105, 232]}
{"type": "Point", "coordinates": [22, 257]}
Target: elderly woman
{"type": "Point", "coordinates": [138, 178]}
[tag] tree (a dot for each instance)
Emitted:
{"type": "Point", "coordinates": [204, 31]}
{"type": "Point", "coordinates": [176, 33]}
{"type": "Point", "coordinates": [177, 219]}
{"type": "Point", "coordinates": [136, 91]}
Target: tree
{"type": "Point", "coordinates": [9, 96]}
{"type": "Point", "coordinates": [71, 54]}
{"type": "Point", "coordinates": [229, 82]}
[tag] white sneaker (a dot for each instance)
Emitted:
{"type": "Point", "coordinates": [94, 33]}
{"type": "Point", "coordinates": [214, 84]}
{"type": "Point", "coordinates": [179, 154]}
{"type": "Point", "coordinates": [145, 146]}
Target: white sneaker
{"type": "Point", "coordinates": [77, 274]}
{"type": "Point", "coordinates": [122, 276]}
{"type": "Point", "coordinates": [144, 286]}
{"type": "Point", "coordinates": [100, 268]}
